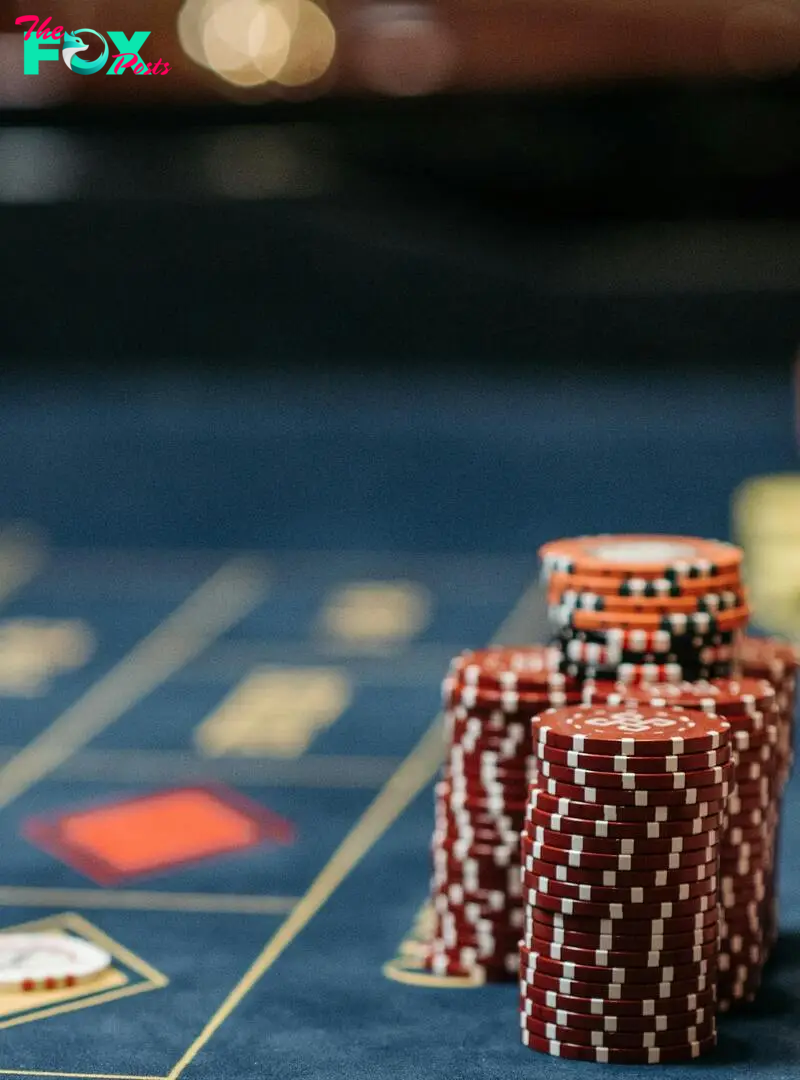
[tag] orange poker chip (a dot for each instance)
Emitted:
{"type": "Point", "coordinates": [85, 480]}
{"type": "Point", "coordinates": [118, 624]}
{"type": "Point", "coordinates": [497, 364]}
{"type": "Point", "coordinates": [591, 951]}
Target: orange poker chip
{"type": "Point", "coordinates": [677, 623]}
{"type": "Point", "coordinates": [624, 585]}
{"type": "Point", "coordinates": [712, 602]}
{"type": "Point", "coordinates": [641, 554]}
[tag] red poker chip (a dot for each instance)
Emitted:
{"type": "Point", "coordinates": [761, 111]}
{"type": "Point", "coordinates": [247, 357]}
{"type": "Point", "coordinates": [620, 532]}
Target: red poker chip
{"type": "Point", "coordinates": [689, 797]}
{"type": "Point", "coordinates": [471, 724]}
{"type": "Point", "coordinates": [484, 901]}
{"type": "Point", "coordinates": [617, 910]}
{"type": "Point", "coordinates": [472, 878]}
{"type": "Point", "coordinates": [623, 958]}
{"type": "Point", "coordinates": [617, 847]}
{"type": "Point", "coordinates": [618, 1041]}
{"type": "Point", "coordinates": [548, 812]}
{"type": "Point", "coordinates": [648, 997]}
{"type": "Point", "coordinates": [516, 703]}
{"type": "Point", "coordinates": [629, 763]}
{"type": "Point", "coordinates": [476, 819]}
{"type": "Point", "coordinates": [654, 1056]}
{"type": "Point", "coordinates": [646, 731]}
{"type": "Point", "coordinates": [509, 667]}
{"type": "Point", "coordinates": [682, 924]}
{"type": "Point", "coordinates": [638, 979]}
{"type": "Point", "coordinates": [499, 854]}
{"type": "Point", "coordinates": [576, 807]}
{"type": "Point", "coordinates": [636, 863]}
{"type": "Point", "coordinates": [512, 759]}
{"type": "Point", "coordinates": [591, 1014]}
{"type": "Point", "coordinates": [508, 745]}
{"type": "Point", "coordinates": [481, 947]}
{"type": "Point", "coordinates": [477, 973]}
{"type": "Point", "coordinates": [542, 882]}
{"type": "Point", "coordinates": [536, 859]}
{"type": "Point", "coordinates": [635, 781]}
{"type": "Point", "coordinates": [473, 917]}
{"type": "Point", "coordinates": [621, 941]}
{"type": "Point", "coordinates": [654, 991]}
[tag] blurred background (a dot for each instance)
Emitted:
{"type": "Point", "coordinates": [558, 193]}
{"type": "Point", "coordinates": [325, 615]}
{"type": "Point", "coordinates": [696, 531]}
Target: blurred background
{"type": "Point", "coordinates": [452, 183]}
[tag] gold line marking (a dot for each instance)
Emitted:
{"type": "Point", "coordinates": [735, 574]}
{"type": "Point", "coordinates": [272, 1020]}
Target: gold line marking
{"type": "Point", "coordinates": [76, 1075]}
{"type": "Point", "coordinates": [220, 602]}
{"type": "Point", "coordinates": [83, 927]}
{"type": "Point", "coordinates": [411, 777]}
{"type": "Point", "coordinates": [136, 900]}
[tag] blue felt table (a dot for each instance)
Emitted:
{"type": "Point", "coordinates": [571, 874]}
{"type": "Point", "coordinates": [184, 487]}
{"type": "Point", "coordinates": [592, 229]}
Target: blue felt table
{"type": "Point", "coordinates": [141, 493]}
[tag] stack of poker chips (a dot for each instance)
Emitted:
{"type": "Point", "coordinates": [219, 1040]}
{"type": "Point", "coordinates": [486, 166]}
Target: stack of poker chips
{"type": "Point", "coordinates": [490, 699]}
{"type": "Point", "coordinates": [748, 848]}
{"type": "Point", "coordinates": [620, 882]}
{"type": "Point", "coordinates": [765, 658]}
{"type": "Point", "coordinates": [656, 608]}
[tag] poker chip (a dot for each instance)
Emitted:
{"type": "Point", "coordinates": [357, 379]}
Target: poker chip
{"type": "Point", "coordinates": [618, 909]}
{"type": "Point", "coordinates": [557, 833]}
{"type": "Point", "coordinates": [641, 927]}
{"type": "Point", "coordinates": [599, 1014]}
{"type": "Point", "coordinates": [688, 808]}
{"type": "Point", "coordinates": [665, 780]}
{"type": "Point", "coordinates": [624, 958]}
{"type": "Point", "coordinates": [622, 763]}
{"type": "Point", "coordinates": [631, 731]}
{"type": "Point", "coordinates": [544, 883]}
{"type": "Point", "coordinates": [636, 862]}
{"type": "Point", "coordinates": [644, 555]}
{"type": "Point", "coordinates": [621, 940]}
{"type": "Point", "coordinates": [587, 600]}
{"type": "Point", "coordinates": [48, 961]}
{"type": "Point", "coordinates": [624, 584]}
{"type": "Point", "coordinates": [713, 799]}
{"type": "Point", "coordinates": [523, 667]}
{"type": "Point", "coordinates": [589, 820]}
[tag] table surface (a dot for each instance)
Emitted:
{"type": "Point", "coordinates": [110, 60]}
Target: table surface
{"type": "Point", "coordinates": [178, 557]}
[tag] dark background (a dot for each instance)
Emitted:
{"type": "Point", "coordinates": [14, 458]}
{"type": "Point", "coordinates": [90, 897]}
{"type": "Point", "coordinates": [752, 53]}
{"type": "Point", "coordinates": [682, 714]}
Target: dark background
{"type": "Point", "coordinates": [640, 211]}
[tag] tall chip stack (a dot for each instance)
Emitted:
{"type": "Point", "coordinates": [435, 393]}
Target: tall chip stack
{"type": "Point", "coordinates": [748, 847]}
{"type": "Point", "coordinates": [490, 699]}
{"type": "Point", "coordinates": [620, 876]}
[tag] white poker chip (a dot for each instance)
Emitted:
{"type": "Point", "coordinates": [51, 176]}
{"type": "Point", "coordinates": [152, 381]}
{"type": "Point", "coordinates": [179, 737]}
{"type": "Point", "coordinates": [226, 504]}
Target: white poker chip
{"type": "Point", "coordinates": [47, 961]}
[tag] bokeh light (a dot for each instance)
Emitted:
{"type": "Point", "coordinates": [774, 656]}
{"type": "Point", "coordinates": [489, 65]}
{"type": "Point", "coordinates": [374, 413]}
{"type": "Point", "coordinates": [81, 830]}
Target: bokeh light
{"type": "Point", "coordinates": [249, 43]}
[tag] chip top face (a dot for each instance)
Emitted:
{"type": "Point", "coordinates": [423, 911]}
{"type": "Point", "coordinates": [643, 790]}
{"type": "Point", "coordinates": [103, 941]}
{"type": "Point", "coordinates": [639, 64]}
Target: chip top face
{"type": "Point", "coordinates": [656, 552]}
{"type": "Point", "coordinates": [640, 553]}
{"type": "Point", "coordinates": [632, 723]}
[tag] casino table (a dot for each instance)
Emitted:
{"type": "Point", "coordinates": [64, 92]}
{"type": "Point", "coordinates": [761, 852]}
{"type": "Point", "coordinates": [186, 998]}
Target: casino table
{"type": "Point", "coordinates": [227, 605]}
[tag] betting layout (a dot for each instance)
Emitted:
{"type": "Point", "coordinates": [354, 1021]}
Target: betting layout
{"type": "Point", "coordinates": [607, 817]}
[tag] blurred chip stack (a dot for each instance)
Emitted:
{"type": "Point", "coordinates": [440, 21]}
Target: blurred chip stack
{"type": "Point", "coordinates": [620, 874]}
{"type": "Point", "coordinates": [645, 608]}
{"type": "Point", "coordinates": [490, 698]}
